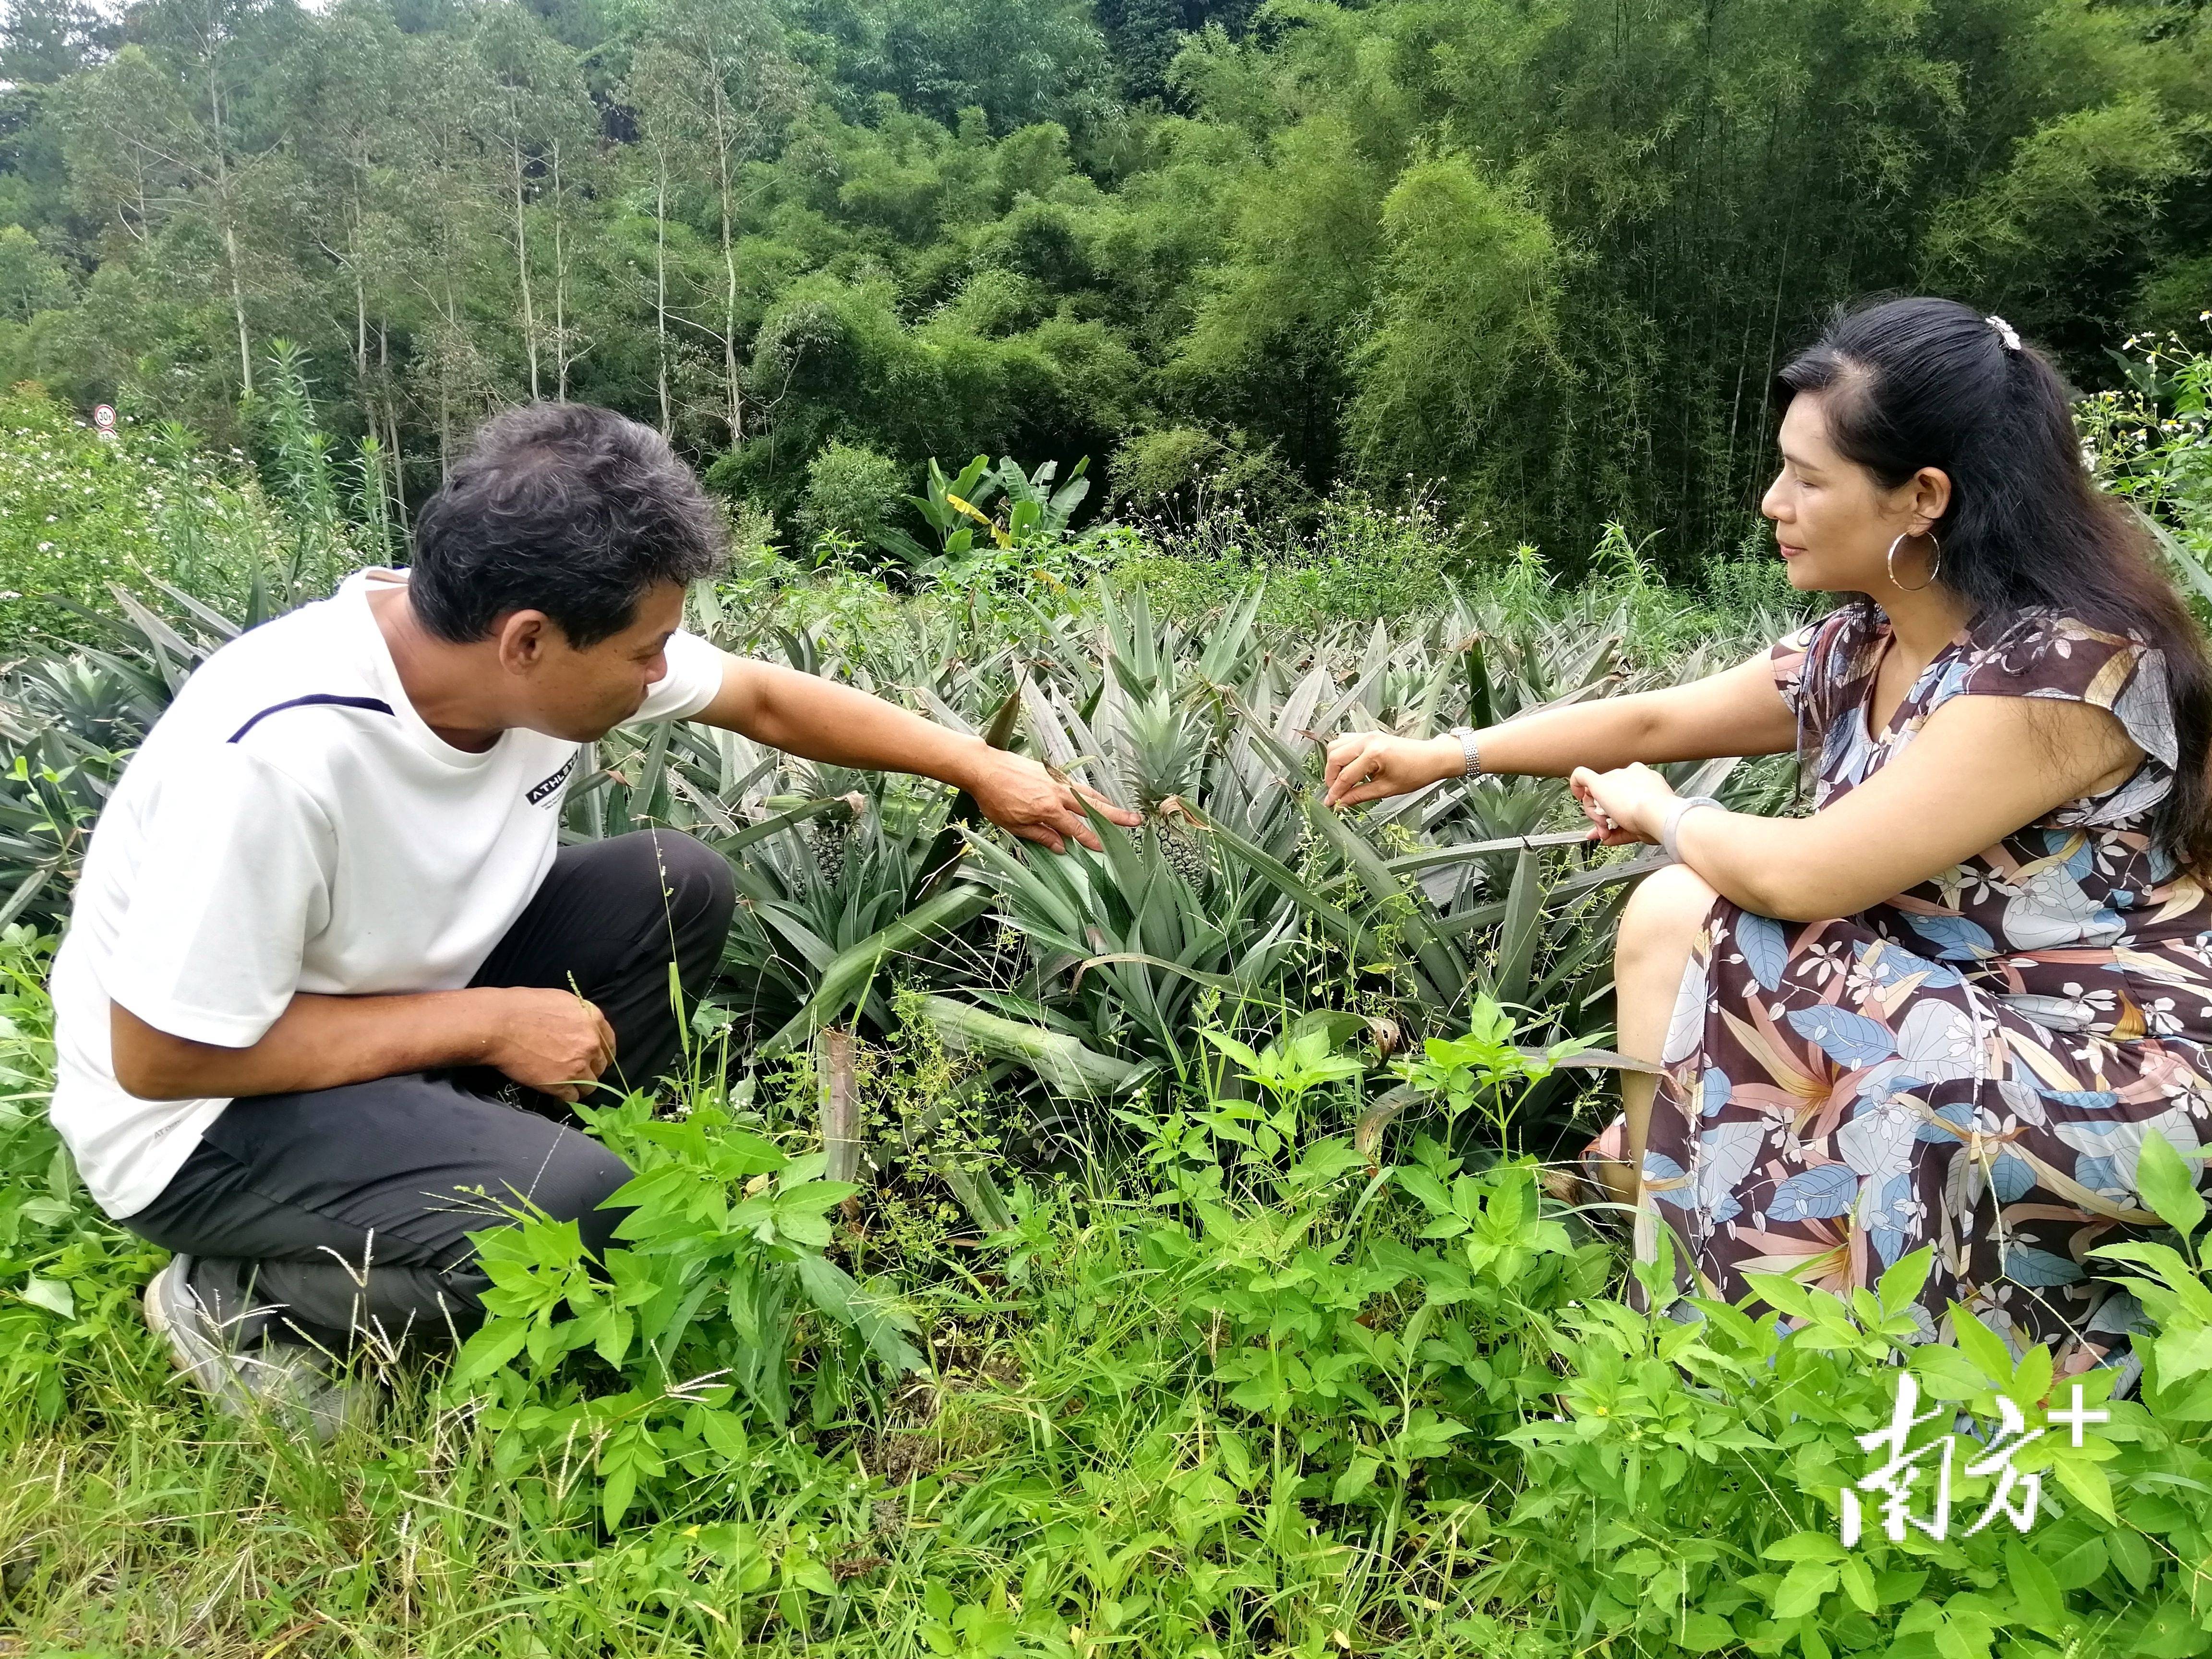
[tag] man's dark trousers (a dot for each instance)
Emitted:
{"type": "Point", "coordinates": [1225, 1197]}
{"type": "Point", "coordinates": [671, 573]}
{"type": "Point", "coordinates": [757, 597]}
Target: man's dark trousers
{"type": "Point", "coordinates": [349, 1208]}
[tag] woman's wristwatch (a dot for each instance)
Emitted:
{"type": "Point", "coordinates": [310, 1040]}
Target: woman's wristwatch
{"type": "Point", "coordinates": [1671, 826]}
{"type": "Point", "coordinates": [1470, 757]}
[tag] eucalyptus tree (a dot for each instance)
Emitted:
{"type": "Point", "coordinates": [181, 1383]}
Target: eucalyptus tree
{"type": "Point", "coordinates": [533, 112]}
{"type": "Point", "coordinates": [207, 139]}
{"type": "Point", "coordinates": [453, 370]}
{"type": "Point", "coordinates": [343, 95]}
{"type": "Point", "coordinates": [660, 147]}
{"type": "Point", "coordinates": [572, 169]}
{"type": "Point", "coordinates": [712, 81]}
{"type": "Point", "coordinates": [164, 137]}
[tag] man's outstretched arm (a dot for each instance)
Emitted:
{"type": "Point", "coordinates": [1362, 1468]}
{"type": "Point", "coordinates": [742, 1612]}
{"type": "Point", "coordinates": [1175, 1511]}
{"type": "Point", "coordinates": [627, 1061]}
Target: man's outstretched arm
{"type": "Point", "coordinates": [819, 720]}
{"type": "Point", "coordinates": [554, 1041]}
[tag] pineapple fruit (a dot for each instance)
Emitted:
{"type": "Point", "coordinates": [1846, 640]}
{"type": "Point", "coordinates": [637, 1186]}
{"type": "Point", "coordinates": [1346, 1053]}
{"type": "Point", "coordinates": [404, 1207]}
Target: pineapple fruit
{"type": "Point", "coordinates": [1183, 843]}
{"type": "Point", "coordinates": [830, 837]}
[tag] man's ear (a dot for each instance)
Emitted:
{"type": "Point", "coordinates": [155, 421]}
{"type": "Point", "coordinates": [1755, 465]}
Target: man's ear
{"type": "Point", "coordinates": [523, 639]}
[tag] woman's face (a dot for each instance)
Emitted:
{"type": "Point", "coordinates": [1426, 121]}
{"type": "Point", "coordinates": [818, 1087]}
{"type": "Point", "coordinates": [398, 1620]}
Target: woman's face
{"type": "Point", "coordinates": [1834, 521]}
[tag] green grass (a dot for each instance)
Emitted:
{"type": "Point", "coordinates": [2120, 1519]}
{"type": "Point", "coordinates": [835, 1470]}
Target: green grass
{"type": "Point", "coordinates": [1056, 1448]}
{"type": "Point", "coordinates": [1249, 1394]}
{"type": "Point", "coordinates": [144, 1526]}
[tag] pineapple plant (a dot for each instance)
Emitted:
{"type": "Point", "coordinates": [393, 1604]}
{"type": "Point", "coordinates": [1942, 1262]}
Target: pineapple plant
{"type": "Point", "coordinates": [1163, 761]}
{"type": "Point", "coordinates": [1237, 885]}
{"type": "Point", "coordinates": [1160, 738]}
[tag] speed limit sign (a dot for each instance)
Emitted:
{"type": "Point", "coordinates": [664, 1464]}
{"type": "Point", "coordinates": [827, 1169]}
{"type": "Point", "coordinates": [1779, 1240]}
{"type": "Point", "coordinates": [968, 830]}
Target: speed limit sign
{"type": "Point", "coordinates": [103, 418]}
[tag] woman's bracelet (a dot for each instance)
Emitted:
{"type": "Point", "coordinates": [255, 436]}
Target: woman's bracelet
{"type": "Point", "coordinates": [1673, 825]}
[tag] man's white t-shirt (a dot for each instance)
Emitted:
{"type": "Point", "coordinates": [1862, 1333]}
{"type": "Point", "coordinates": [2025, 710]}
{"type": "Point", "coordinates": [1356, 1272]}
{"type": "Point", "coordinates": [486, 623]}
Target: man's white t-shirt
{"type": "Point", "coordinates": [291, 824]}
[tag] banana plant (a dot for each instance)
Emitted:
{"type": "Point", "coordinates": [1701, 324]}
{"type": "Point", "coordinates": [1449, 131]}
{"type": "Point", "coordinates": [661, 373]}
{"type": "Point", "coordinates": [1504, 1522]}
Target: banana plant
{"type": "Point", "coordinates": [952, 507]}
{"type": "Point", "coordinates": [956, 508]}
{"type": "Point", "coordinates": [1034, 508]}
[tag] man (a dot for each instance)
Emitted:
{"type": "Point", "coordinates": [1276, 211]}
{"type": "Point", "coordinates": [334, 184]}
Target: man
{"type": "Point", "coordinates": [325, 921]}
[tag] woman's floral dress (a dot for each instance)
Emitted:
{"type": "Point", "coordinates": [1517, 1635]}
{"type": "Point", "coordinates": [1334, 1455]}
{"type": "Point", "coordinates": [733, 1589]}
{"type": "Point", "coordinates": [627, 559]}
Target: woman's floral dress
{"type": "Point", "coordinates": [1973, 1064]}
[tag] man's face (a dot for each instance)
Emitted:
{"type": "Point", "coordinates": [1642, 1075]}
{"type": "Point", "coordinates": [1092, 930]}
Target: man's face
{"type": "Point", "coordinates": [583, 694]}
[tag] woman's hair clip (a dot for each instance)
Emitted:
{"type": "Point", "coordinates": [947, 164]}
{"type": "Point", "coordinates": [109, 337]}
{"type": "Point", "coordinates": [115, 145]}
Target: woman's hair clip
{"type": "Point", "coordinates": [2005, 333]}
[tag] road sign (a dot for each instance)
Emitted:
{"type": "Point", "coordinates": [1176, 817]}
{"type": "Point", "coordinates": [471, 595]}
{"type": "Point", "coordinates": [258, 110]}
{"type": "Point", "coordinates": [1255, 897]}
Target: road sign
{"type": "Point", "coordinates": [103, 420]}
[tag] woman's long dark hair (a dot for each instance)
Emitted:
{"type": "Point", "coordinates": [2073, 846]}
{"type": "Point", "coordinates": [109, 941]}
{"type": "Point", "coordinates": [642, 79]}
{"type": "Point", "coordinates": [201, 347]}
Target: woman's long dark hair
{"type": "Point", "coordinates": [1924, 382]}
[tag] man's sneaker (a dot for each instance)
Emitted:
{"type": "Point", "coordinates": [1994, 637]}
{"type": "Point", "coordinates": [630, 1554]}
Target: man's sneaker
{"type": "Point", "coordinates": [288, 1381]}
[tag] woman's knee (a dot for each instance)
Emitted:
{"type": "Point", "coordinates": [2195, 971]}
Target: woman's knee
{"type": "Point", "coordinates": [1663, 917]}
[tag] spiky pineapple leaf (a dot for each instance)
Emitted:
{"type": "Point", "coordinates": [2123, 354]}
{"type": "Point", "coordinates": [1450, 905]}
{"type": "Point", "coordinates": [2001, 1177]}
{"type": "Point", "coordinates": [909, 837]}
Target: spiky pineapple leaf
{"type": "Point", "coordinates": [846, 979]}
{"type": "Point", "coordinates": [1440, 965]}
{"type": "Point", "coordinates": [1064, 1062]}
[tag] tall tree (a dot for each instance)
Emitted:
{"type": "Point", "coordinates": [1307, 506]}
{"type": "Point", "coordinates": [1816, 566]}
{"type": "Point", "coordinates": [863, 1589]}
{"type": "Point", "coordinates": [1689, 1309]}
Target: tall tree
{"type": "Point", "coordinates": [711, 77]}
{"type": "Point", "coordinates": [533, 107]}
{"type": "Point", "coordinates": [452, 372]}
{"type": "Point", "coordinates": [343, 95]}
{"type": "Point", "coordinates": [661, 138]}
{"type": "Point", "coordinates": [214, 50]}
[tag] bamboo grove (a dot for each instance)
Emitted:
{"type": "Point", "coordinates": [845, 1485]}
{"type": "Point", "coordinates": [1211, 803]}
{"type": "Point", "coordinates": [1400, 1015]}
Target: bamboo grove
{"type": "Point", "coordinates": [1545, 252]}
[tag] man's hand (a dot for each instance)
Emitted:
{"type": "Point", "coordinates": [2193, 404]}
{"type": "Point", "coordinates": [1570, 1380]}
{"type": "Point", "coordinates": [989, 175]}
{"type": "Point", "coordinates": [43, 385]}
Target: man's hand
{"type": "Point", "coordinates": [554, 1041]}
{"type": "Point", "coordinates": [823, 720]}
{"type": "Point", "coordinates": [1018, 794]}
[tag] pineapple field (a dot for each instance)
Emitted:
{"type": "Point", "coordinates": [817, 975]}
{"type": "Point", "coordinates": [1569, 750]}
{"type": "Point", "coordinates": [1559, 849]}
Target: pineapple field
{"type": "Point", "coordinates": [1239, 897]}
{"type": "Point", "coordinates": [1157, 1251]}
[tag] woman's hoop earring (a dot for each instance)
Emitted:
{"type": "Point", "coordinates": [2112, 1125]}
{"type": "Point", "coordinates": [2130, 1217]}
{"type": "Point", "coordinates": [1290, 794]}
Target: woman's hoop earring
{"type": "Point", "coordinates": [1935, 564]}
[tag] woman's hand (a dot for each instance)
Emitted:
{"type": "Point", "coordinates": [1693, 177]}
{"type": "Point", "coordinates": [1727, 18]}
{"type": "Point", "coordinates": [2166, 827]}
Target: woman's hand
{"type": "Point", "coordinates": [1369, 765]}
{"type": "Point", "coordinates": [1626, 805]}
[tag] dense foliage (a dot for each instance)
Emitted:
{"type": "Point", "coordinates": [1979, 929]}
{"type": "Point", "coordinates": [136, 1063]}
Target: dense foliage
{"type": "Point", "coordinates": [1546, 254]}
{"type": "Point", "coordinates": [79, 516]}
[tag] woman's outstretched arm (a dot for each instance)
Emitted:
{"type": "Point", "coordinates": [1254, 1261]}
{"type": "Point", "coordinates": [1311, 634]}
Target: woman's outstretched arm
{"type": "Point", "coordinates": [1982, 768]}
{"type": "Point", "coordinates": [1735, 712]}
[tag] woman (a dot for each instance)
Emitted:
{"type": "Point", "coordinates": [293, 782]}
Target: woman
{"type": "Point", "coordinates": [1947, 1006]}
